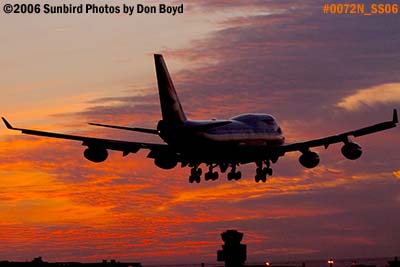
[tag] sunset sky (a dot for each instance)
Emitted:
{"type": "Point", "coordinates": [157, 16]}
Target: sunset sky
{"type": "Point", "coordinates": [317, 74]}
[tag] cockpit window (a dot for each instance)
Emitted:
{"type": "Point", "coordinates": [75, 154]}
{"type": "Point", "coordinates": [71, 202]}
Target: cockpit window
{"type": "Point", "coordinates": [269, 121]}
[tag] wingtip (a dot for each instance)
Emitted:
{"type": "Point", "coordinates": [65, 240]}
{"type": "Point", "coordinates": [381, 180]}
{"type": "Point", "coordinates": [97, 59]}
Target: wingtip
{"type": "Point", "coordinates": [395, 117]}
{"type": "Point", "coordinates": [8, 125]}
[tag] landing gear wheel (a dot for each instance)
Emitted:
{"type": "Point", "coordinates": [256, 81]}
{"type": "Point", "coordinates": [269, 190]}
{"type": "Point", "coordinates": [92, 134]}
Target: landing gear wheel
{"type": "Point", "coordinates": [233, 174]}
{"type": "Point", "coordinates": [194, 178]}
{"type": "Point", "coordinates": [196, 171]}
{"type": "Point", "coordinates": [238, 175]}
{"type": "Point", "coordinates": [195, 174]}
{"type": "Point", "coordinates": [264, 179]}
{"type": "Point", "coordinates": [260, 178]}
{"type": "Point", "coordinates": [211, 176]}
{"type": "Point", "coordinates": [262, 173]}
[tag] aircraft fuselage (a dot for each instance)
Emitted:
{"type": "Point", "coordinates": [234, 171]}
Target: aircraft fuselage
{"type": "Point", "coordinates": [248, 129]}
{"type": "Point", "coordinates": [239, 140]}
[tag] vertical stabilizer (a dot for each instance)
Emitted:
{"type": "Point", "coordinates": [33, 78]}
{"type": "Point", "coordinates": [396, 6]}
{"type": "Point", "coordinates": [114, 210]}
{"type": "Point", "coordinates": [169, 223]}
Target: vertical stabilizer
{"type": "Point", "coordinates": [171, 107]}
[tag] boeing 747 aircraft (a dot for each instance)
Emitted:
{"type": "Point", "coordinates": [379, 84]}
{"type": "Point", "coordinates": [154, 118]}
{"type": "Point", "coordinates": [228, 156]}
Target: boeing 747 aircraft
{"type": "Point", "coordinates": [223, 144]}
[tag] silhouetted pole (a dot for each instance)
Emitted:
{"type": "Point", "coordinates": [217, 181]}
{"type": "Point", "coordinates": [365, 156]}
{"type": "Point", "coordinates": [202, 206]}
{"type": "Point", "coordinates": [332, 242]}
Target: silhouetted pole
{"type": "Point", "coordinates": [233, 253]}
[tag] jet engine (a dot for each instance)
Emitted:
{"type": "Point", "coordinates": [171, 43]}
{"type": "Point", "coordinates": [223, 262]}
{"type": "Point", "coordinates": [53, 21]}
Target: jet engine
{"type": "Point", "coordinates": [166, 161]}
{"type": "Point", "coordinates": [95, 154]}
{"type": "Point", "coordinates": [351, 151]}
{"type": "Point", "coordinates": [309, 159]}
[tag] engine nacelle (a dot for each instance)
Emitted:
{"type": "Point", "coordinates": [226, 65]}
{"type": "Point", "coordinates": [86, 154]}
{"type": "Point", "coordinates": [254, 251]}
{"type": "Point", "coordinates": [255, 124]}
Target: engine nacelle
{"type": "Point", "coordinates": [95, 154]}
{"type": "Point", "coordinates": [309, 159]}
{"type": "Point", "coordinates": [166, 162]}
{"type": "Point", "coordinates": [351, 151]}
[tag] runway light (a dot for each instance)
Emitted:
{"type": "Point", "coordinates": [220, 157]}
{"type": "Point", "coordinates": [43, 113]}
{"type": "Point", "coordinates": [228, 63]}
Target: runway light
{"type": "Point", "coordinates": [267, 263]}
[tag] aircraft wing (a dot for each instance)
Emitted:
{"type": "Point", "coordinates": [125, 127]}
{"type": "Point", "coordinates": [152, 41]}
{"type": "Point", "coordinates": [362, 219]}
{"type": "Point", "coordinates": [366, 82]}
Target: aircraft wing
{"type": "Point", "coordinates": [343, 137]}
{"type": "Point", "coordinates": [125, 146]}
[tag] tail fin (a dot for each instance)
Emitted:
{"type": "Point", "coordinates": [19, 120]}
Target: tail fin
{"type": "Point", "coordinates": [171, 107]}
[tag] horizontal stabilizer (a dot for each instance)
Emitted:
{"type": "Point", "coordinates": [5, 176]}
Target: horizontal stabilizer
{"type": "Point", "coordinates": [135, 129]}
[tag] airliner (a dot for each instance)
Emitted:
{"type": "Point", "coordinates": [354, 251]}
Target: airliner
{"type": "Point", "coordinates": [218, 144]}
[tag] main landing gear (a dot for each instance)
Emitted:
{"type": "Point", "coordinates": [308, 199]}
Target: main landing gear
{"type": "Point", "coordinates": [233, 174]}
{"type": "Point", "coordinates": [262, 173]}
{"type": "Point", "coordinates": [195, 174]}
{"type": "Point", "coordinates": [210, 175]}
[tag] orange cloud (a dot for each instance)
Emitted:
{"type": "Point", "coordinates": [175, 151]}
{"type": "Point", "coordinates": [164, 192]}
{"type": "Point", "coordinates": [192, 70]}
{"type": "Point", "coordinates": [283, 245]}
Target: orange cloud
{"type": "Point", "coordinates": [384, 93]}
